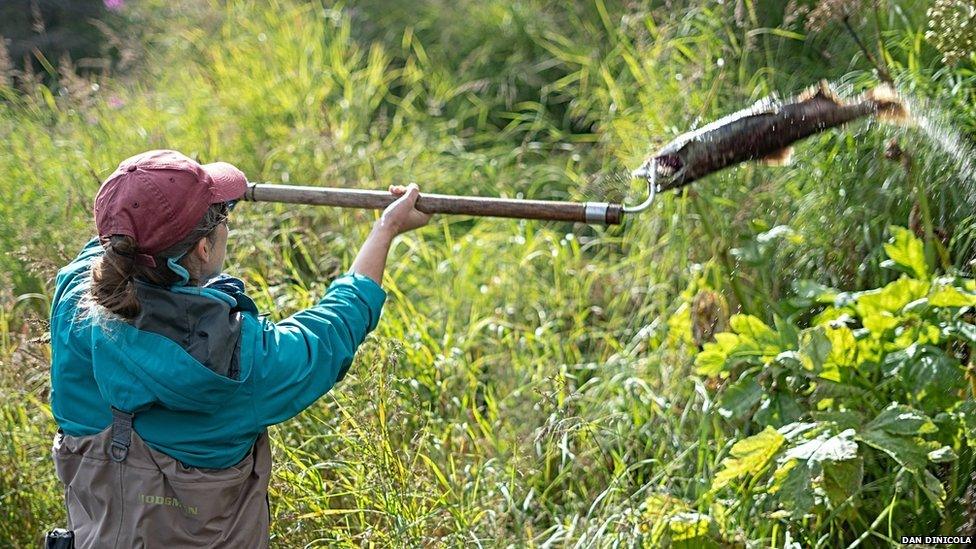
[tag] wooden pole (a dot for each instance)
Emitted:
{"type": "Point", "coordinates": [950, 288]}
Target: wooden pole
{"type": "Point", "coordinates": [549, 210]}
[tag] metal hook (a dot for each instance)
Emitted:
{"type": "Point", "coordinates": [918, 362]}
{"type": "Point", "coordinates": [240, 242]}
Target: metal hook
{"type": "Point", "coordinates": [651, 176]}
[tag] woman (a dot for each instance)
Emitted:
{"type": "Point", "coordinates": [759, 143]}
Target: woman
{"type": "Point", "coordinates": [165, 378]}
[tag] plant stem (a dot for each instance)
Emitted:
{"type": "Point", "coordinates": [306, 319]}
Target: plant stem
{"type": "Point", "coordinates": [883, 73]}
{"type": "Point", "coordinates": [881, 516]}
{"type": "Point", "coordinates": [882, 50]}
{"type": "Point", "coordinates": [931, 242]}
{"type": "Point", "coordinates": [971, 375]}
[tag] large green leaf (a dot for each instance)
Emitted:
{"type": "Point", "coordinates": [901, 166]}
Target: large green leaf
{"type": "Point", "coordinates": [842, 479]}
{"type": "Point", "coordinates": [909, 452]}
{"type": "Point", "coordinates": [880, 323]}
{"type": "Point", "coordinates": [895, 432]}
{"type": "Point", "coordinates": [907, 251]}
{"type": "Point", "coordinates": [829, 461]}
{"type": "Point", "coordinates": [710, 362]}
{"type": "Point", "coordinates": [752, 328]}
{"type": "Point", "coordinates": [846, 419]}
{"type": "Point", "coordinates": [787, 333]}
{"type": "Point", "coordinates": [892, 298]}
{"type": "Point", "coordinates": [725, 352]}
{"type": "Point", "coordinates": [749, 456]}
{"type": "Point", "coordinates": [778, 409]}
{"type": "Point", "coordinates": [740, 397]}
{"type": "Point", "coordinates": [843, 346]}
{"type": "Point", "coordinates": [815, 347]}
{"type": "Point", "coordinates": [898, 419]}
{"type": "Point", "coordinates": [933, 488]}
{"type": "Point", "coordinates": [826, 447]}
{"type": "Point", "coordinates": [948, 296]}
{"type": "Point", "coordinates": [933, 378]}
{"type": "Point", "coordinates": [792, 486]}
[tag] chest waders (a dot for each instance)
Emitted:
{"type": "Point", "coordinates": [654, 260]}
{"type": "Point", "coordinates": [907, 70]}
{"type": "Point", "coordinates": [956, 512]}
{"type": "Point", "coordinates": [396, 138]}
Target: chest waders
{"type": "Point", "coordinates": [121, 493]}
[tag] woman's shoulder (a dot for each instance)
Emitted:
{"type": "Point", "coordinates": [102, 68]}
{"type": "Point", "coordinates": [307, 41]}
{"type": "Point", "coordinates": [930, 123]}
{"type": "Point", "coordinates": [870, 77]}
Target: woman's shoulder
{"type": "Point", "coordinates": [74, 277]}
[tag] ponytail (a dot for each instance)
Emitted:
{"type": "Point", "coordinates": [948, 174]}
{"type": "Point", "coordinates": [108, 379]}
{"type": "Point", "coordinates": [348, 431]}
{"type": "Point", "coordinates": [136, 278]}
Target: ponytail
{"type": "Point", "coordinates": [113, 277]}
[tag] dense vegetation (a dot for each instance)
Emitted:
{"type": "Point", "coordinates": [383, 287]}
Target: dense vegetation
{"type": "Point", "coordinates": [774, 356]}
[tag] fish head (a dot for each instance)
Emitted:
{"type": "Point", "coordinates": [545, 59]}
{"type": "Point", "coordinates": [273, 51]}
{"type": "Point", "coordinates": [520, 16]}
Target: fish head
{"type": "Point", "coordinates": [669, 164]}
{"type": "Point", "coordinates": [665, 167]}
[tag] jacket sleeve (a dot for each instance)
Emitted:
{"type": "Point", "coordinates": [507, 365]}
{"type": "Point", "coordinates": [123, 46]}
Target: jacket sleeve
{"type": "Point", "coordinates": [300, 358]}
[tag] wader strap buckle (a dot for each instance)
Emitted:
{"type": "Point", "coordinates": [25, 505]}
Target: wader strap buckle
{"type": "Point", "coordinates": [121, 434]}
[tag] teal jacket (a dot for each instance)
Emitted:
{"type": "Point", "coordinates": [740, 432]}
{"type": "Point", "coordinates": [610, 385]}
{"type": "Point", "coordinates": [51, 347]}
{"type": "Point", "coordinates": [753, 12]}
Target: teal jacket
{"type": "Point", "coordinates": [201, 394]}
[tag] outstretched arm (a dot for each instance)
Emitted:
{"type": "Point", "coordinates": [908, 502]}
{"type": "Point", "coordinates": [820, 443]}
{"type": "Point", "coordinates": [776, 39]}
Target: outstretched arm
{"type": "Point", "coordinates": [397, 218]}
{"type": "Point", "coordinates": [299, 359]}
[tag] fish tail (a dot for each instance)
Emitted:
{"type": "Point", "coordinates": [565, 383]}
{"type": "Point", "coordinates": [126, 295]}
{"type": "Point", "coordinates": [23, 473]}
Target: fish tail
{"type": "Point", "coordinates": [889, 106]}
{"type": "Point", "coordinates": [821, 89]}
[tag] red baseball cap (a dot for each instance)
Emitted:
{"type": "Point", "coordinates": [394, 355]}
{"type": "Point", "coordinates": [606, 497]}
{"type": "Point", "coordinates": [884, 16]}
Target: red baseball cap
{"type": "Point", "coordinates": [159, 197]}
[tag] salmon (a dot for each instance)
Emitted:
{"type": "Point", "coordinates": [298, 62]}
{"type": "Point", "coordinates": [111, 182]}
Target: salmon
{"type": "Point", "coordinates": [765, 131]}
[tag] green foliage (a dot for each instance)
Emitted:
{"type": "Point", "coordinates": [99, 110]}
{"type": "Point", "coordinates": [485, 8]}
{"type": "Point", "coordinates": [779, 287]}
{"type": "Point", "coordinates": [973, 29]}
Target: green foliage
{"type": "Point", "coordinates": [749, 456]}
{"type": "Point", "coordinates": [907, 252]}
{"type": "Point", "coordinates": [864, 381]}
{"type": "Point", "coordinates": [535, 384]}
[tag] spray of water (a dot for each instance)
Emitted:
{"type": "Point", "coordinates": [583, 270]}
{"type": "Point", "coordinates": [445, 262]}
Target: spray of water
{"type": "Point", "coordinates": [608, 186]}
{"type": "Point", "coordinates": [938, 128]}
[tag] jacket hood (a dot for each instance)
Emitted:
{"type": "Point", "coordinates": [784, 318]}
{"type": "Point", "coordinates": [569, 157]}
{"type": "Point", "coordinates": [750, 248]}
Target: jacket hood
{"type": "Point", "coordinates": [182, 351]}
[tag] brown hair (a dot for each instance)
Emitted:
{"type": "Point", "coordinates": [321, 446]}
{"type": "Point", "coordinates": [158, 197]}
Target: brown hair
{"type": "Point", "coordinates": [113, 275]}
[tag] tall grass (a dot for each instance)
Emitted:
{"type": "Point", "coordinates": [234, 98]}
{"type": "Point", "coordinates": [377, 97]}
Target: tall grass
{"type": "Point", "coordinates": [529, 384]}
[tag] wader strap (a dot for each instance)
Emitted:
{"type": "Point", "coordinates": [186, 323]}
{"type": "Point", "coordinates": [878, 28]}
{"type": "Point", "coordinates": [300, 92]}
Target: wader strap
{"type": "Point", "coordinates": [121, 434]}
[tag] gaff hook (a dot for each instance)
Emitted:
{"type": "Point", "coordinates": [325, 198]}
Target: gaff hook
{"type": "Point", "coordinates": [651, 176]}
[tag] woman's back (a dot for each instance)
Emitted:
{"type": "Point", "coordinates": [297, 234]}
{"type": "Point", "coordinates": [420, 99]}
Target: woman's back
{"type": "Point", "coordinates": [205, 375]}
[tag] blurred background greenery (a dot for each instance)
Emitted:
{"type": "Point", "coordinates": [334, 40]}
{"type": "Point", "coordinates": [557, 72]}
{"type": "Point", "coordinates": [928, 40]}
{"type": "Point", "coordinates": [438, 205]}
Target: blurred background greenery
{"type": "Point", "coordinates": [530, 383]}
